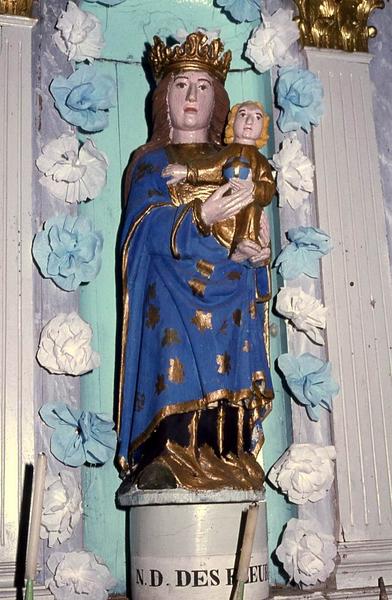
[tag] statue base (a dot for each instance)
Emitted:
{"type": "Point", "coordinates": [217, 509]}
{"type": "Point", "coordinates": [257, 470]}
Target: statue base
{"type": "Point", "coordinates": [185, 544]}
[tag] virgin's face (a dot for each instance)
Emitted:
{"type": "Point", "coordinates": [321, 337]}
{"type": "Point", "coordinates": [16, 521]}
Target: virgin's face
{"type": "Point", "coordinates": [190, 100]}
{"type": "Point", "coordinates": [248, 123]}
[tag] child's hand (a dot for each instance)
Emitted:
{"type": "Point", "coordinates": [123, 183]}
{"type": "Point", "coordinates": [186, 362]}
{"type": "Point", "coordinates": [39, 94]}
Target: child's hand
{"type": "Point", "coordinates": [242, 184]}
{"type": "Point", "coordinates": [176, 173]}
{"type": "Point", "coordinates": [251, 251]}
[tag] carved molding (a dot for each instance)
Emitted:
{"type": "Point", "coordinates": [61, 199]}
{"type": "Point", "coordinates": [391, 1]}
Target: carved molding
{"type": "Point", "coordinates": [17, 345]}
{"type": "Point", "coordinates": [357, 289]}
{"type": "Point", "coordinates": [20, 8]}
{"type": "Point", "coordinates": [337, 24]}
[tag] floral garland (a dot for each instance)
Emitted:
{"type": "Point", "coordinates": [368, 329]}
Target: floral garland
{"type": "Point", "coordinates": [68, 251]}
{"type": "Point", "coordinates": [305, 472]}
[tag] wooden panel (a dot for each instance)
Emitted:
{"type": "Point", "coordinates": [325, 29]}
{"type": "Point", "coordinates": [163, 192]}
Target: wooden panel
{"type": "Point", "coordinates": [128, 27]}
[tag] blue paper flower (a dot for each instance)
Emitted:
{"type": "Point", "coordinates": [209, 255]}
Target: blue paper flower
{"type": "Point", "coordinates": [308, 245]}
{"type": "Point", "coordinates": [80, 436]}
{"type": "Point", "coordinates": [310, 382]}
{"type": "Point", "coordinates": [241, 10]}
{"type": "Point", "coordinates": [68, 251]}
{"type": "Point", "coordinates": [106, 2]}
{"type": "Point", "coordinates": [84, 98]}
{"type": "Point", "coordinates": [299, 95]}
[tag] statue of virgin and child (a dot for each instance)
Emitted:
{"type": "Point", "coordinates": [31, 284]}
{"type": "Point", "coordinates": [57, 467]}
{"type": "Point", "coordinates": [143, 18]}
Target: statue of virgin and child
{"type": "Point", "coordinates": [195, 383]}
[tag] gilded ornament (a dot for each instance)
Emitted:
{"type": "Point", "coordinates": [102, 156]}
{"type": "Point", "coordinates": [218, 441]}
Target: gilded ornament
{"type": "Point", "coordinates": [195, 54]}
{"type": "Point", "coordinates": [246, 346]}
{"type": "Point", "coordinates": [140, 401]}
{"type": "Point", "coordinates": [208, 472]}
{"type": "Point", "coordinates": [160, 385]}
{"type": "Point", "coordinates": [198, 287]}
{"type": "Point", "coordinates": [170, 337]}
{"type": "Point", "coordinates": [152, 291]}
{"type": "Point", "coordinates": [223, 363]}
{"type": "Point", "coordinates": [234, 275]}
{"type": "Point", "coordinates": [202, 320]}
{"type": "Point", "coordinates": [153, 316]}
{"type": "Point", "coordinates": [205, 268]}
{"type": "Point", "coordinates": [175, 372]}
{"type": "Point", "coordinates": [338, 24]}
{"type": "Point", "coordinates": [20, 8]}
{"type": "Point", "coordinates": [253, 309]}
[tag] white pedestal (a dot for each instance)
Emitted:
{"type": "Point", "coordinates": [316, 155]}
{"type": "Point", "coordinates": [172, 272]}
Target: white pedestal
{"type": "Point", "coordinates": [182, 551]}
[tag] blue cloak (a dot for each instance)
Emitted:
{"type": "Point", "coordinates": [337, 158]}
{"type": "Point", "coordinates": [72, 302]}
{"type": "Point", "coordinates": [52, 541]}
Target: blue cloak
{"type": "Point", "coordinates": [192, 331]}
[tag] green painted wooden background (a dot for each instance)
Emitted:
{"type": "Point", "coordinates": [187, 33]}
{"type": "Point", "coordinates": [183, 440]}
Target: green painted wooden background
{"type": "Point", "coordinates": [127, 28]}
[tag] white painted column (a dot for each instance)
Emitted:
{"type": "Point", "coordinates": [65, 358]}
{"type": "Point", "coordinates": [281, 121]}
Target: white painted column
{"type": "Point", "coordinates": [357, 291]}
{"type": "Point", "coordinates": [17, 350]}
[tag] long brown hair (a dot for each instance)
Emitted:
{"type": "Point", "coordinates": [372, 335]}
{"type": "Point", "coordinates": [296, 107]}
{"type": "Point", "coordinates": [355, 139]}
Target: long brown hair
{"type": "Point", "coordinates": [161, 126]}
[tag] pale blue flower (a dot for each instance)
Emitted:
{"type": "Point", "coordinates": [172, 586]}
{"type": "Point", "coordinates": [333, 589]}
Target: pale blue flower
{"type": "Point", "coordinates": [299, 95]}
{"type": "Point", "coordinates": [241, 10]}
{"type": "Point", "coordinates": [106, 2]}
{"type": "Point", "coordinates": [310, 382]}
{"type": "Point", "coordinates": [68, 250]}
{"type": "Point", "coordinates": [84, 98]}
{"type": "Point", "coordinates": [308, 245]}
{"type": "Point", "coordinates": [79, 436]}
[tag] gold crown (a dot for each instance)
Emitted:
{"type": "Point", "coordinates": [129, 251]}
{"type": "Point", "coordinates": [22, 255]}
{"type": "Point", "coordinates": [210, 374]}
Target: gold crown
{"type": "Point", "coordinates": [195, 54]}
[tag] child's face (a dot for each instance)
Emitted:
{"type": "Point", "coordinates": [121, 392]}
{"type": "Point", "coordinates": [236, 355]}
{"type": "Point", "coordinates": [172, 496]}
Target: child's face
{"type": "Point", "coordinates": [248, 123]}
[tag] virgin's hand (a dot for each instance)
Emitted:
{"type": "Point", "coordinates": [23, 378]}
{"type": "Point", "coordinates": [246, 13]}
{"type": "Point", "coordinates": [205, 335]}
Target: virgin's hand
{"type": "Point", "coordinates": [176, 173]}
{"type": "Point", "coordinates": [264, 231]}
{"type": "Point", "coordinates": [249, 250]}
{"type": "Point", "coordinates": [219, 207]}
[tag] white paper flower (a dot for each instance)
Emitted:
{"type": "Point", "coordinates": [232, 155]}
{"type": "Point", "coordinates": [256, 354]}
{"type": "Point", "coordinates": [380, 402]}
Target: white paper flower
{"type": "Point", "coordinates": [62, 507]}
{"type": "Point", "coordinates": [305, 312]}
{"type": "Point", "coordinates": [294, 179]}
{"type": "Point", "coordinates": [270, 41]}
{"type": "Point", "coordinates": [79, 34]}
{"type": "Point", "coordinates": [71, 173]}
{"type": "Point", "coordinates": [64, 346]}
{"type": "Point", "coordinates": [181, 34]}
{"type": "Point", "coordinates": [306, 553]}
{"type": "Point", "coordinates": [78, 576]}
{"type": "Point", "coordinates": [305, 472]}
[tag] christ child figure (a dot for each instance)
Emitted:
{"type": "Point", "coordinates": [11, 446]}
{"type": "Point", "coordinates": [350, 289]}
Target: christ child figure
{"type": "Point", "coordinates": [240, 163]}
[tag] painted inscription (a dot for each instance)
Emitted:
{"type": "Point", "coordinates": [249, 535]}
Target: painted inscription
{"type": "Point", "coordinates": [195, 576]}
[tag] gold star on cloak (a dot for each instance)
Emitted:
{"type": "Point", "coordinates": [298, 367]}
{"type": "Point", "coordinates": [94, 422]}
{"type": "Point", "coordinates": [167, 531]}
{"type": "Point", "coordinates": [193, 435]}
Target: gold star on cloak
{"type": "Point", "coordinates": [170, 337]}
{"type": "Point", "coordinates": [237, 315]}
{"type": "Point", "coordinates": [205, 268]}
{"type": "Point", "coordinates": [202, 320]}
{"type": "Point", "coordinates": [234, 275]}
{"type": "Point", "coordinates": [140, 401]}
{"type": "Point", "coordinates": [152, 291]}
{"type": "Point", "coordinates": [252, 309]}
{"type": "Point", "coordinates": [223, 362]}
{"type": "Point", "coordinates": [160, 385]}
{"type": "Point", "coordinates": [198, 287]}
{"type": "Point", "coordinates": [175, 371]}
{"type": "Point", "coordinates": [152, 316]}
{"type": "Point", "coordinates": [246, 346]}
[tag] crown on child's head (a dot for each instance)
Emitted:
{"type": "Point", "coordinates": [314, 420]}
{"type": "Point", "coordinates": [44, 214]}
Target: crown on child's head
{"type": "Point", "coordinates": [195, 54]}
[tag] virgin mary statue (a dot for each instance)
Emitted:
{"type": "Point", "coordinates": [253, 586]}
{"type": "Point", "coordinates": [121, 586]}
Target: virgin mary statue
{"type": "Point", "coordinates": [195, 381]}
